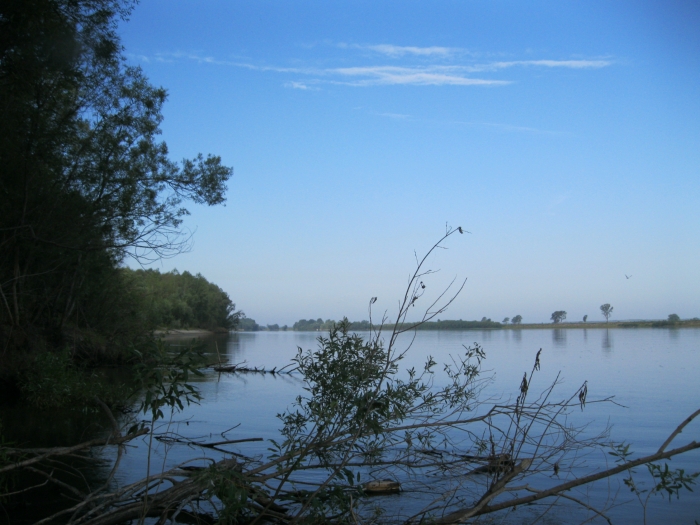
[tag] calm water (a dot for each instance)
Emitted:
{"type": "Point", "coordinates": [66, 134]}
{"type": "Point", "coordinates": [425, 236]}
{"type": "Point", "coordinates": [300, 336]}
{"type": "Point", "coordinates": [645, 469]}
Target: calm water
{"type": "Point", "coordinates": [652, 372]}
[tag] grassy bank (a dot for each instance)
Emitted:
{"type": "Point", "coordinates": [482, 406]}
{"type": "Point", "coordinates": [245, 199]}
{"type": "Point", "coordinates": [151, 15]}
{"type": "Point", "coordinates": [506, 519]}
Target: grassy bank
{"type": "Point", "coordinates": [690, 323]}
{"type": "Point", "coordinates": [363, 326]}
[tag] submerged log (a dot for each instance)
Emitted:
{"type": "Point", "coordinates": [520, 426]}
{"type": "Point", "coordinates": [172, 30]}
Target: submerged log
{"type": "Point", "coordinates": [381, 486]}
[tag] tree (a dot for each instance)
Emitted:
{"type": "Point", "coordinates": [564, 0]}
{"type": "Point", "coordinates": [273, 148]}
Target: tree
{"type": "Point", "coordinates": [558, 316]}
{"type": "Point", "coordinates": [517, 319]}
{"type": "Point", "coordinates": [606, 310]}
{"type": "Point", "coordinates": [182, 300]}
{"type": "Point", "coordinates": [505, 320]}
{"type": "Point", "coordinates": [248, 325]}
{"type": "Point", "coordinates": [84, 180]}
{"type": "Point", "coordinates": [673, 318]}
{"type": "Point", "coordinates": [585, 318]}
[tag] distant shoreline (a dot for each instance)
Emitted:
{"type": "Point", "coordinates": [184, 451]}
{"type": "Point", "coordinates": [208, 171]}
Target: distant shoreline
{"type": "Point", "coordinates": [179, 334]}
{"type": "Point", "coordinates": [433, 327]}
{"type": "Point", "coordinates": [611, 324]}
{"type": "Point", "coordinates": [451, 326]}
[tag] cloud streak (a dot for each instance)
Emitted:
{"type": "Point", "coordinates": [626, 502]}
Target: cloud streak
{"type": "Point", "coordinates": [396, 75]}
{"type": "Point", "coordinates": [421, 76]}
{"type": "Point", "coordinates": [401, 51]}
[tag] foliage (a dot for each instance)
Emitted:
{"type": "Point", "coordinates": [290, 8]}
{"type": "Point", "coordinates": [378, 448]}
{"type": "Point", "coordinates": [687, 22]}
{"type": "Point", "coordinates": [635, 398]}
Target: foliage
{"type": "Point", "coordinates": [558, 316]}
{"type": "Point", "coordinates": [606, 310]}
{"type": "Point", "coordinates": [248, 325]}
{"type": "Point", "coordinates": [665, 482]}
{"type": "Point", "coordinates": [84, 180]}
{"type": "Point", "coordinates": [517, 319]}
{"type": "Point", "coordinates": [163, 379]}
{"type": "Point", "coordinates": [182, 300]}
{"type": "Point", "coordinates": [674, 318]}
{"type": "Point", "coordinates": [365, 326]}
{"type": "Point", "coordinates": [312, 325]}
{"type": "Point", "coordinates": [54, 380]}
{"type": "Point", "coordinates": [585, 318]}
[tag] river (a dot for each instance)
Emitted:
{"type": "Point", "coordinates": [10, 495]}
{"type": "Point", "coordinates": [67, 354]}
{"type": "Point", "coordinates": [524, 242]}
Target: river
{"type": "Point", "coordinates": [652, 374]}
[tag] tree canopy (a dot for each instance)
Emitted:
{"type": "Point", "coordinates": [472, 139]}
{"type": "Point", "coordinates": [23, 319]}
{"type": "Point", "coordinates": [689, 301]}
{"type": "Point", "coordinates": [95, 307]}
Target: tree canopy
{"type": "Point", "coordinates": [558, 316]}
{"type": "Point", "coordinates": [606, 310]}
{"type": "Point", "coordinates": [182, 300]}
{"type": "Point", "coordinates": [85, 180]}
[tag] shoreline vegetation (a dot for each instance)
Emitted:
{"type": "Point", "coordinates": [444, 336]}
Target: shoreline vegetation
{"type": "Point", "coordinates": [318, 325]}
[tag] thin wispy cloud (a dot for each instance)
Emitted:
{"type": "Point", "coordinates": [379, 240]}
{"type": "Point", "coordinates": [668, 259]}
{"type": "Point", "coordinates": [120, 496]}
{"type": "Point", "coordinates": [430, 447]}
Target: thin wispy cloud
{"type": "Point", "coordinates": [570, 64]}
{"type": "Point", "coordinates": [299, 85]}
{"type": "Point", "coordinates": [423, 76]}
{"type": "Point", "coordinates": [395, 116]}
{"type": "Point", "coordinates": [435, 74]}
{"type": "Point", "coordinates": [400, 51]}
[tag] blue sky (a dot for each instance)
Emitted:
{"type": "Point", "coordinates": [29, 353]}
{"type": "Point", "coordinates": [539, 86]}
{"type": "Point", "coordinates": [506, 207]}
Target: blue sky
{"type": "Point", "coordinates": [565, 136]}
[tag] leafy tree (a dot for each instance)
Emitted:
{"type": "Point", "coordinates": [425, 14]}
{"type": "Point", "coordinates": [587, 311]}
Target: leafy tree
{"type": "Point", "coordinates": [558, 316]}
{"type": "Point", "coordinates": [606, 310]}
{"type": "Point", "coordinates": [182, 300]}
{"type": "Point", "coordinates": [505, 320]}
{"type": "Point", "coordinates": [585, 318]}
{"type": "Point", "coordinates": [517, 319]}
{"type": "Point", "coordinates": [313, 325]}
{"type": "Point", "coordinates": [248, 325]}
{"type": "Point", "coordinates": [84, 180]}
{"type": "Point", "coordinates": [674, 318]}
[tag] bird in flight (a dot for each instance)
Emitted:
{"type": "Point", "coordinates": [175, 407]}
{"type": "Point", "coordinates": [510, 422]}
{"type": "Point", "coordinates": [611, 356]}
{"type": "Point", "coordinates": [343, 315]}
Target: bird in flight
{"type": "Point", "coordinates": [628, 276]}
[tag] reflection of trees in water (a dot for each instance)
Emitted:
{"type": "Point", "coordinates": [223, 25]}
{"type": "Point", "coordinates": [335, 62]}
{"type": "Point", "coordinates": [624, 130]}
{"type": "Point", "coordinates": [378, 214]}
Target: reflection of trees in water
{"type": "Point", "coordinates": [674, 332]}
{"type": "Point", "coordinates": [585, 334]}
{"type": "Point", "coordinates": [517, 335]}
{"type": "Point", "coordinates": [486, 335]}
{"type": "Point", "coordinates": [559, 337]}
{"type": "Point", "coordinates": [607, 340]}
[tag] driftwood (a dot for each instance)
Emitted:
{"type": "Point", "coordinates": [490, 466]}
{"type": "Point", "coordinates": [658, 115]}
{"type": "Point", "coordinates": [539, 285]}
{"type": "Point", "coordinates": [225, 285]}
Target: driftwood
{"type": "Point", "coordinates": [381, 486]}
{"type": "Point", "coordinates": [240, 368]}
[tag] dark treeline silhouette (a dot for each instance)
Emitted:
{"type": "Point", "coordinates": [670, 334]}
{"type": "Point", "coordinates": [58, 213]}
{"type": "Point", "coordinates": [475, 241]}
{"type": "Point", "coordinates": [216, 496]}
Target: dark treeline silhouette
{"type": "Point", "coordinates": [319, 325]}
{"type": "Point", "coordinates": [85, 181]}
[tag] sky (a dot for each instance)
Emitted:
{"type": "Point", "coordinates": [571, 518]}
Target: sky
{"type": "Point", "coordinates": [564, 136]}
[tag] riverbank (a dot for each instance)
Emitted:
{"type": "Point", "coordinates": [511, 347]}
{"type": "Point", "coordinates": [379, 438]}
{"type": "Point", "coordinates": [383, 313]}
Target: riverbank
{"type": "Point", "coordinates": [691, 323]}
{"type": "Point", "coordinates": [490, 325]}
{"type": "Point", "coordinates": [194, 333]}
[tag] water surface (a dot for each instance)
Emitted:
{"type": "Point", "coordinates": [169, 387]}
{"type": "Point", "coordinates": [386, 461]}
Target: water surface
{"type": "Point", "coordinates": [652, 374]}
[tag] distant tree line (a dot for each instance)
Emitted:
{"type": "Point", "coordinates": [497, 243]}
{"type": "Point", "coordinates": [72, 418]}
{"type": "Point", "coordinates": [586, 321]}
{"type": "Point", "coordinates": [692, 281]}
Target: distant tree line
{"type": "Point", "coordinates": [319, 325]}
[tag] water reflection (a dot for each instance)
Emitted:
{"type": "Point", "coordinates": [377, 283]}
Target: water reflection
{"type": "Point", "coordinates": [585, 334]}
{"type": "Point", "coordinates": [559, 337]}
{"type": "Point", "coordinates": [607, 343]}
{"type": "Point", "coordinates": [517, 335]}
